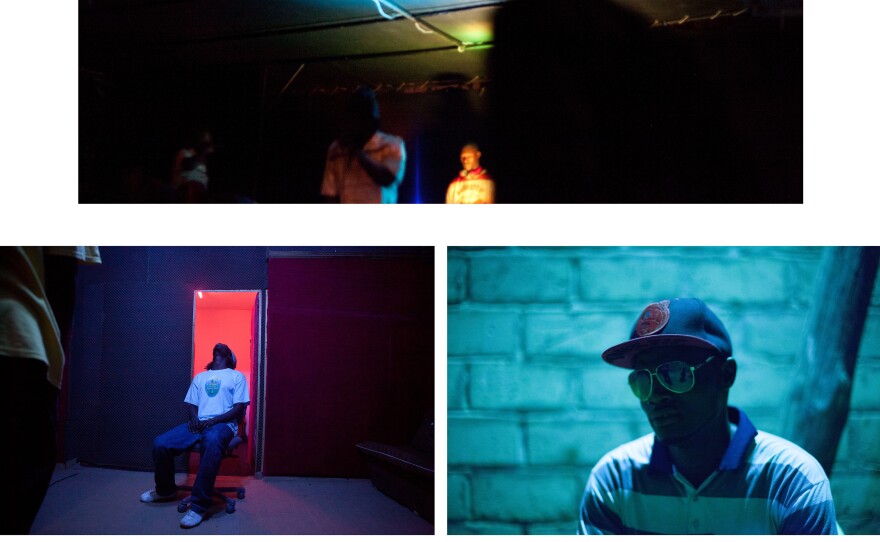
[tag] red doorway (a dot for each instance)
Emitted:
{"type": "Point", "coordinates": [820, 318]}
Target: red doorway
{"type": "Point", "coordinates": [232, 318]}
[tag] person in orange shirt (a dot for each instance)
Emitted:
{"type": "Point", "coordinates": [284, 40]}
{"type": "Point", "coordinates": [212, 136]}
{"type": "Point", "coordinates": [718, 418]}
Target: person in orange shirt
{"type": "Point", "coordinates": [473, 184]}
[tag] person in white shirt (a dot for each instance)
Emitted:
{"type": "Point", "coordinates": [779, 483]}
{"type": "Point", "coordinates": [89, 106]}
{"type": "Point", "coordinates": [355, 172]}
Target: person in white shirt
{"type": "Point", "coordinates": [364, 165]}
{"type": "Point", "coordinates": [189, 177]}
{"type": "Point", "coordinates": [217, 399]}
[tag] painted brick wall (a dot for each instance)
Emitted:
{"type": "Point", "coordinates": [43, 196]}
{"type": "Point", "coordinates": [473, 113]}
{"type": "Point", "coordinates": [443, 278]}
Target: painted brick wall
{"type": "Point", "coordinates": [532, 407]}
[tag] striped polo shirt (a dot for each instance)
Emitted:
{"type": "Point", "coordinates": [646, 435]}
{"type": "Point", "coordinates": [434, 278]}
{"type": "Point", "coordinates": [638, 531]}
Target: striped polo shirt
{"type": "Point", "coordinates": [763, 485]}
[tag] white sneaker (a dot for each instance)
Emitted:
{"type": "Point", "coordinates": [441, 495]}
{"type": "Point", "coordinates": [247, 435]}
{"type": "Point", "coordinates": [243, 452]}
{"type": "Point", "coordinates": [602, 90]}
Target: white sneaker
{"type": "Point", "coordinates": [152, 496]}
{"type": "Point", "coordinates": [190, 520]}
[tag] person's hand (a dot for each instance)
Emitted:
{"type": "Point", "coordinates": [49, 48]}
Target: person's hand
{"type": "Point", "coordinates": [194, 426]}
{"type": "Point", "coordinates": [349, 145]}
{"type": "Point", "coordinates": [353, 138]}
{"type": "Point", "coordinates": [205, 424]}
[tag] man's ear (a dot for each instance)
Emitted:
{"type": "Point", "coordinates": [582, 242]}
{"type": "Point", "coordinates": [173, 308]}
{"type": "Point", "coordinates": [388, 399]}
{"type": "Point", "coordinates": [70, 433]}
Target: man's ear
{"type": "Point", "coordinates": [728, 373]}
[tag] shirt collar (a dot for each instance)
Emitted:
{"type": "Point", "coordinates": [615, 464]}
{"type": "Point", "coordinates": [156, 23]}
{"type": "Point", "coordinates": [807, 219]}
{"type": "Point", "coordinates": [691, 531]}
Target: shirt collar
{"type": "Point", "coordinates": [661, 460]}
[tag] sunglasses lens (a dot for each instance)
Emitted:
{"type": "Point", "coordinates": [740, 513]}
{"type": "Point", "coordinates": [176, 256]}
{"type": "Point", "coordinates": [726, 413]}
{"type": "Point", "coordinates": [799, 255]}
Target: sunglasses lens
{"type": "Point", "coordinates": [640, 382]}
{"type": "Point", "coordinates": [676, 376]}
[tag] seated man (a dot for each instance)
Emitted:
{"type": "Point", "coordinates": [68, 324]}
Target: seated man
{"type": "Point", "coordinates": [705, 469]}
{"type": "Point", "coordinates": [217, 399]}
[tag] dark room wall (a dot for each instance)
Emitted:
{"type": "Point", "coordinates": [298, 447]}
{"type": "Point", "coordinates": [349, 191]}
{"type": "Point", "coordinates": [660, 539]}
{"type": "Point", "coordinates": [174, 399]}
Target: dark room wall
{"type": "Point", "coordinates": [131, 347]}
{"type": "Point", "coordinates": [130, 363]}
{"type": "Point", "coordinates": [350, 358]}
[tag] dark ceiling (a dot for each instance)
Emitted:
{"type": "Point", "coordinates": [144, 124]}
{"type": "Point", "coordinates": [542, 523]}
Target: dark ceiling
{"type": "Point", "coordinates": [338, 41]}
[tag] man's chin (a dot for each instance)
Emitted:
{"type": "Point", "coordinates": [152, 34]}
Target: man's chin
{"type": "Point", "coordinates": [669, 440]}
{"type": "Point", "coordinates": [672, 437]}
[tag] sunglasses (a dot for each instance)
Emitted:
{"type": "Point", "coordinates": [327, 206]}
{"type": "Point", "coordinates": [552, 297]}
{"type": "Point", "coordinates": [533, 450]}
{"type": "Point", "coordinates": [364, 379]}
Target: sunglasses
{"type": "Point", "coordinates": [675, 376]}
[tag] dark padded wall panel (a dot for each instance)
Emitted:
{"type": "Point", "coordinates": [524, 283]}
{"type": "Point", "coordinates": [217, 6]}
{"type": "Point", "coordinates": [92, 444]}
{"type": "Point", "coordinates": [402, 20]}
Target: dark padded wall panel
{"type": "Point", "coordinates": [238, 268]}
{"type": "Point", "coordinates": [350, 357]}
{"type": "Point", "coordinates": [144, 375]}
{"type": "Point", "coordinates": [86, 351]}
{"type": "Point", "coordinates": [120, 264]}
{"type": "Point", "coordinates": [131, 345]}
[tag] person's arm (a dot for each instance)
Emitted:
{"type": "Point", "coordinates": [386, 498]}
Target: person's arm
{"type": "Point", "coordinates": [379, 172]}
{"type": "Point", "coordinates": [329, 188]}
{"type": "Point", "coordinates": [599, 512]}
{"type": "Point", "coordinates": [449, 192]}
{"type": "Point", "coordinates": [233, 414]}
{"type": "Point", "coordinates": [60, 271]}
{"type": "Point", "coordinates": [810, 512]}
{"type": "Point", "coordinates": [194, 424]}
{"type": "Point", "coordinates": [61, 266]}
{"type": "Point", "coordinates": [176, 170]}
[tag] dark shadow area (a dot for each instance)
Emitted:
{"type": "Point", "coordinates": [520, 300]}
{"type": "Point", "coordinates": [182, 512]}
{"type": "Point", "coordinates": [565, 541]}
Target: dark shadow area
{"type": "Point", "coordinates": [591, 104]}
{"type": "Point", "coordinates": [133, 122]}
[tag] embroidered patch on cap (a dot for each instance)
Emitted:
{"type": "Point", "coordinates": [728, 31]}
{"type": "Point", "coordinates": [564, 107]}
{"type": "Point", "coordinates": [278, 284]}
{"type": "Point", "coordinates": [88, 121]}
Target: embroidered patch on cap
{"type": "Point", "coordinates": [653, 318]}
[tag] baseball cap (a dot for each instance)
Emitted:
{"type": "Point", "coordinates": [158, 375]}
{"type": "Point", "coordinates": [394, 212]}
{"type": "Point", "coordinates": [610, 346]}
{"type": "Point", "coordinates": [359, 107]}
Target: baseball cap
{"type": "Point", "coordinates": [673, 322]}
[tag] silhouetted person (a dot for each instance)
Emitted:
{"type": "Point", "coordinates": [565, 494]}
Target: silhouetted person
{"type": "Point", "coordinates": [189, 177]}
{"type": "Point", "coordinates": [364, 165]}
{"type": "Point", "coordinates": [592, 104]}
{"type": "Point", "coordinates": [37, 293]}
{"type": "Point", "coordinates": [705, 468]}
{"type": "Point", "coordinates": [473, 184]}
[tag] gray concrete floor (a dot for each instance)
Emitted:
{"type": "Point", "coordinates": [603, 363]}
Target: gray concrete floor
{"type": "Point", "coordinates": [87, 500]}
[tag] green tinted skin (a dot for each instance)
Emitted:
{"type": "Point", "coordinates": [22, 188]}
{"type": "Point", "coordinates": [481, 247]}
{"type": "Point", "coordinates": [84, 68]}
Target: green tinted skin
{"type": "Point", "coordinates": [693, 424]}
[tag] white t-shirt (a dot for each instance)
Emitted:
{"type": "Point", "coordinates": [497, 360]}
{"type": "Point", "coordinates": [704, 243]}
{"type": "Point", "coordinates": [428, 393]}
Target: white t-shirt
{"type": "Point", "coordinates": [214, 392]}
{"type": "Point", "coordinates": [345, 178]}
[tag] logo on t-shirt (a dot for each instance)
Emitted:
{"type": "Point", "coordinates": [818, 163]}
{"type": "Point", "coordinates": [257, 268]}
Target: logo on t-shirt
{"type": "Point", "coordinates": [212, 387]}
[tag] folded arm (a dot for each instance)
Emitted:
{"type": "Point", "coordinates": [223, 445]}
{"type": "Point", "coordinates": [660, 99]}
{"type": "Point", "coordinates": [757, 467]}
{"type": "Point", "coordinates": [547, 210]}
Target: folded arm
{"type": "Point", "coordinates": [379, 172]}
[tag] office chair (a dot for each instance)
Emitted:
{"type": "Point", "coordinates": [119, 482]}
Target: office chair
{"type": "Point", "coordinates": [228, 453]}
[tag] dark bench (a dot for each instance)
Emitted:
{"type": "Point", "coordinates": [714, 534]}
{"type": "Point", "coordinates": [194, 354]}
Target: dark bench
{"type": "Point", "coordinates": [405, 472]}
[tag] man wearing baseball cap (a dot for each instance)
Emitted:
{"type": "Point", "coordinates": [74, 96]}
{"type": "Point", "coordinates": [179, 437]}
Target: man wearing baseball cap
{"type": "Point", "coordinates": [705, 468]}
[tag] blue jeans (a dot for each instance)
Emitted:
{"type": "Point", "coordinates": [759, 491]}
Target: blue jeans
{"type": "Point", "coordinates": [211, 441]}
